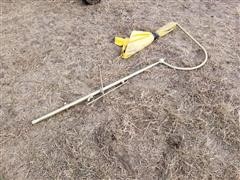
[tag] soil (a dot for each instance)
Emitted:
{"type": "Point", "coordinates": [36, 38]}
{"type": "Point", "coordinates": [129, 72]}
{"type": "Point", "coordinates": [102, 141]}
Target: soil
{"type": "Point", "coordinates": [163, 124]}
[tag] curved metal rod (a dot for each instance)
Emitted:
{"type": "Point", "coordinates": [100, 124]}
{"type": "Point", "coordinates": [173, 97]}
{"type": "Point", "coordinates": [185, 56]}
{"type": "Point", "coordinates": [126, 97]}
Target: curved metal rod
{"type": "Point", "coordinates": [190, 68]}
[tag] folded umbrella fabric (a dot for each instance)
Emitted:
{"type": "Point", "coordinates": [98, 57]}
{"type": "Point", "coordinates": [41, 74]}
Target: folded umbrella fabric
{"type": "Point", "coordinates": [140, 39]}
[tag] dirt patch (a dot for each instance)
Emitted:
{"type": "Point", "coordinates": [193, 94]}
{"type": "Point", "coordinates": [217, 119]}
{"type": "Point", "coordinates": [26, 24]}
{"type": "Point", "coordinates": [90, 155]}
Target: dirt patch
{"type": "Point", "coordinates": [164, 124]}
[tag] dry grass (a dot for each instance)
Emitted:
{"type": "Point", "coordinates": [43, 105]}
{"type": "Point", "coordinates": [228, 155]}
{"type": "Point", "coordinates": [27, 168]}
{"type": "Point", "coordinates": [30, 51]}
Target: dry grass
{"type": "Point", "coordinates": [164, 124]}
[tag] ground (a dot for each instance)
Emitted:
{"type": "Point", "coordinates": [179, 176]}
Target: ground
{"type": "Point", "coordinates": [163, 124]}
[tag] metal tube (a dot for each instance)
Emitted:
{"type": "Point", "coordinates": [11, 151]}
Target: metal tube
{"type": "Point", "coordinates": [91, 95]}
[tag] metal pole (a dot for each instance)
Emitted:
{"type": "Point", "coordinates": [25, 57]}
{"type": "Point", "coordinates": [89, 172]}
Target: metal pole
{"type": "Point", "coordinates": [99, 91]}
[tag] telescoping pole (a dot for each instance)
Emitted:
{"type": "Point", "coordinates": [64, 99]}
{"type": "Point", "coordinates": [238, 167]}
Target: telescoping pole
{"type": "Point", "coordinates": [99, 91]}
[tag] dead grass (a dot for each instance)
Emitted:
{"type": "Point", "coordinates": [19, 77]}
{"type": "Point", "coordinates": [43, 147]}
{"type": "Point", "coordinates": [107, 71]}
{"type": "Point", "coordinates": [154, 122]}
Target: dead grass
{"type": "Point", "coordinates": [164, 124]}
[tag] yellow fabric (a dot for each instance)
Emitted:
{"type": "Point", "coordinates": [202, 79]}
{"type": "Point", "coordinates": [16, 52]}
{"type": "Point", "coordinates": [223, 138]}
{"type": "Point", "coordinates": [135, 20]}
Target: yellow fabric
{"type": "Point", "coordinates": [166, 29]}
{"type": "Point", "coordinates": [140, 39]}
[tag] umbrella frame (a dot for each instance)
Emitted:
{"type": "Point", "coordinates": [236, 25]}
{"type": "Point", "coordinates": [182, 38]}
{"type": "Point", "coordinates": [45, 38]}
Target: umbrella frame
{"type": "Point", "coordinates": [104, 90]}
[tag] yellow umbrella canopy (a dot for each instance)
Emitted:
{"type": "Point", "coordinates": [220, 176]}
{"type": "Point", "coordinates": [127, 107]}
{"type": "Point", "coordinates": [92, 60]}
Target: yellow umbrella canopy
{"type": "Point", "coordinates": [140, 39]}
